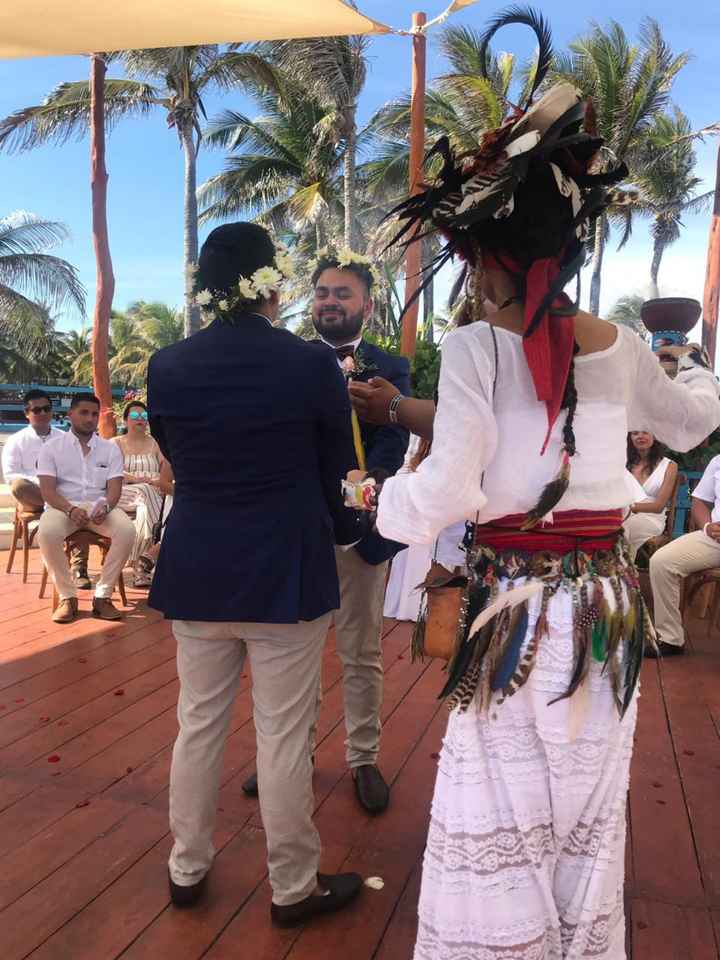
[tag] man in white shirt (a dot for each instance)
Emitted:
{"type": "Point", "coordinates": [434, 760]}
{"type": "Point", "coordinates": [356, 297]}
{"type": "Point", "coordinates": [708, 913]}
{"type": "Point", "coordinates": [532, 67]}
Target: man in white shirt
{"type": "Point", "coordinates": [695, 551]}
{"type": "Point", "coordinates": [81, 479]}
{"type": "Point", "coordinates": [19, 466]}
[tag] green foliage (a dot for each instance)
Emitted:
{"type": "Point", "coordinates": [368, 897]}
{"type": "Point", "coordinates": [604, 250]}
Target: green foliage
{"type": "Point", "coordinates": [425, 365]}
{"type": "Point", "coordinates": [699, 457]}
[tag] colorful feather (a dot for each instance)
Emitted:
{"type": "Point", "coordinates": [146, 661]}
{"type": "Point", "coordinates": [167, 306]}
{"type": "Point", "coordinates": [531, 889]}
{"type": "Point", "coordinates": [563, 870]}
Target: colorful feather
{"type": "Point", "coordinates": [510, 658]}
{"type": "Point", "coordinates": [524, 668]}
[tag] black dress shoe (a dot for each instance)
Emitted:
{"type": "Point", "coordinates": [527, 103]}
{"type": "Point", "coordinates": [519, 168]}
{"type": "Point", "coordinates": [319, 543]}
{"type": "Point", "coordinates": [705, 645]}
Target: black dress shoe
{"type": "Point", "coordinates": [184, 897]}
{"type": "Point", "coordinates": [250, 787]}
{"type": "Point", "coordinates": [664, 650]}
{"type": "Point", "coordinates": [81, 579]}
{"type": "Point", "coordinates": [371, 789]}
{"type": "Point", "coordinates": [341, 889]}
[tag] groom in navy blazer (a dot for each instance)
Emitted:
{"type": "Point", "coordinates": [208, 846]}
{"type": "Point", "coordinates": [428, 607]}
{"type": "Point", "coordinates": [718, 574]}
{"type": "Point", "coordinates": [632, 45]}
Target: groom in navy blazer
{"type": "Point", "coordinates": [342, 304]}
{"type": "Point", "coordinates": [256, 425]}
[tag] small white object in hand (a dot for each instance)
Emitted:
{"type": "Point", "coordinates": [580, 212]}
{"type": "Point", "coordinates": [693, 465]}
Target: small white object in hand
{"type": "Point", "coordinates": [375, 883]}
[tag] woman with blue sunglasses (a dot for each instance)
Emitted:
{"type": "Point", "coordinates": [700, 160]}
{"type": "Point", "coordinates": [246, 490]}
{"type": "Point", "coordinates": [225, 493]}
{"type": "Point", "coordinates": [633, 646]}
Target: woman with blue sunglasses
{"type": "Point", "coordinates": [141, 495]}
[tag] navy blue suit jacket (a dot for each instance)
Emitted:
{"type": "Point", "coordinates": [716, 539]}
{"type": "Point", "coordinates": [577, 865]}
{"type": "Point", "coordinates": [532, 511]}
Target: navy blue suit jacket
{"type": "Point", "coordinates": [384, 446]}
{"type": "Point", "coordinates": [256, 425]}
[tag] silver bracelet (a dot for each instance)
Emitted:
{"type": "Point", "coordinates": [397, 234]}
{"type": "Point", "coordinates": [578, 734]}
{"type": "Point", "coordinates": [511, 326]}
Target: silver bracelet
{"type": "Point", "coordinates": [393, 408]}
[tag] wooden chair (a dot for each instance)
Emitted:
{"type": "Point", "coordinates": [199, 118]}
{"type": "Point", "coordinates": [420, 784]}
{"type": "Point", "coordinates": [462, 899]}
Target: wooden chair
{"type": "Point", "coordinates": [21, 530]}
{"type": "Point", "coordinates": [83, 538]}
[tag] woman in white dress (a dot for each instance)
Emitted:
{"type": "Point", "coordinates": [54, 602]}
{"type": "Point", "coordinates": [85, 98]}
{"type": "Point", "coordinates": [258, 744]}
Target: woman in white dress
{"type": "Point", "coordinates": [525, 854]}
{"type": "Point", "coordinates": [656, 475]}
{"type": "Point", "coordinates": [141, 493]}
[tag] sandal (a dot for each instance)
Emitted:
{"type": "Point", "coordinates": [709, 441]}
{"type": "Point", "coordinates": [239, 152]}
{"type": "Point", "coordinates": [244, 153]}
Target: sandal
{"type": "Point", "coordinates": [143, 572]}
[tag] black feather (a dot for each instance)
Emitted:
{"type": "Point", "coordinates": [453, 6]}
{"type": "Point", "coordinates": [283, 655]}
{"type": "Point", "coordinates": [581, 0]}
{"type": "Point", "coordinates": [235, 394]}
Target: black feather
{"type": "Point", "coordinates": [541, 28]}
{"type": "Point", "coordinates": [457, 286]}
{"type": "Point", "coordinates": [470, 645]}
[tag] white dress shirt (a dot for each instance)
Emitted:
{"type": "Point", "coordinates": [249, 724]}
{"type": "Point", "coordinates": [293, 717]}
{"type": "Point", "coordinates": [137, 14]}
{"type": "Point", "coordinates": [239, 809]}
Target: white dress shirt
{"type": "Point", "coordinates": [79, 478]}
{"type": "Point", "coordinates": [709, 487]}
{"type": "Point", "coordinates": [20, 453]}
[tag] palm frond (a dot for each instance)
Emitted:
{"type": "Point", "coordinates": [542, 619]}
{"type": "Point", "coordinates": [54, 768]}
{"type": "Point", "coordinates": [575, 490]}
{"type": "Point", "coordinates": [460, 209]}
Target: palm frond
{"type": "Point", "coordinates": [65, 113]}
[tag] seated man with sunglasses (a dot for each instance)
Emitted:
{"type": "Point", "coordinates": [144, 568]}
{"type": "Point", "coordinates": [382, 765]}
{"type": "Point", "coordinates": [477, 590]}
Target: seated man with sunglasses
{"type": "Point", "coordinates": [19, 466]}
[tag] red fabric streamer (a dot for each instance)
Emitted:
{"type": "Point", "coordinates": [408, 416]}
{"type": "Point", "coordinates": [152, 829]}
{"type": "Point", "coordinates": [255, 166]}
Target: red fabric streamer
{"type": "Point", "coordinates": [549, 350]}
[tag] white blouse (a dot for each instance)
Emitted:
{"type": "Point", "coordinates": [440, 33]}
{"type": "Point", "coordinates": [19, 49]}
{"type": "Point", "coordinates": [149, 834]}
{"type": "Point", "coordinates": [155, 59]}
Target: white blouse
{"type": "Point", "coordinates": [485, 457]}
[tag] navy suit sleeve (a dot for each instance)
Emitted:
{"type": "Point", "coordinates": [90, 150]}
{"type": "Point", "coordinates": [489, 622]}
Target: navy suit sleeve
{"type": "Point", "coordinates": [335, 446]}
{"type": "Point", "coordinates": [389, 444]}
{"type": "Point", "coordinates": [155, 420]}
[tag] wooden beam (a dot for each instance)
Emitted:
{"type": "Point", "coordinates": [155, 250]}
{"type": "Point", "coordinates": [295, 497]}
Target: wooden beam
{"type": "Point", "coordinates": [105, 279]}
{"type": "Point", "coordinates": [711, 299]}
{"type": "Point", "coordinates": [413, 257]}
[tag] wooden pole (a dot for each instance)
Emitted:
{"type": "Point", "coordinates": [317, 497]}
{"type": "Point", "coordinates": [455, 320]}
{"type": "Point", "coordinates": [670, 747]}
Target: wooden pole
{"type": "Point", "coordinates": [105, 280]}
{"type": "Point", "coordinates": [413, 257]}
{"type": "Point", "coordinates": [711, 299]}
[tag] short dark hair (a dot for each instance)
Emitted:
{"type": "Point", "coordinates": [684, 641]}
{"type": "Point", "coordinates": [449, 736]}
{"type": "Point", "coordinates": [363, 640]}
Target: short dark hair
{"type": "Point", "coordinates": [130, 406]}
{"type": "Point", "coordinates": [230, 252]}
{"type": "Point", "coordinates": [83, 398]}
{"type": "Point", "coordinates": [35, 395]}
{"type": "Point", "coordinates": [360, 270]}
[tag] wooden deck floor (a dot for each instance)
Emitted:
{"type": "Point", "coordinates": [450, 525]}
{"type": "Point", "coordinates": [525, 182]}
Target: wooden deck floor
{"type": "Point", "coordinates": [87, 722]}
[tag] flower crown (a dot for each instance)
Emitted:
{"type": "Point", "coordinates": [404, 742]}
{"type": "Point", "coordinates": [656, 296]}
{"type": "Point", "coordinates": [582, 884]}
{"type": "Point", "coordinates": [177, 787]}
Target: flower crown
{"type": "Point", "coordinates": [248, 290]}
{"type": "Point", "coordinates": [343, 257]}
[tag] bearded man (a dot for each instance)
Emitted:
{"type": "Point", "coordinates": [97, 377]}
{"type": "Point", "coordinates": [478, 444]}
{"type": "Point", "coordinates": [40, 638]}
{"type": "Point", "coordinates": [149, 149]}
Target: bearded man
{"type": "Point", "coordinates": [344, 284]}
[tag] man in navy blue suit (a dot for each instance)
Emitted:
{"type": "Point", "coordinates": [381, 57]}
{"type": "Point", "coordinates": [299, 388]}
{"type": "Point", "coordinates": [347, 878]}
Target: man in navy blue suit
{"type": "Point", "coordinates": [256, 425]}
{"type": "Point", "coordinates": [342, 304]}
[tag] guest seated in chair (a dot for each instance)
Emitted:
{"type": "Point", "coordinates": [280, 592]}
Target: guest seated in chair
{"type": "Point", "coordinates": [81, 479]}
{"type": "Point", "coordinates": [655, 475]}
{"type": "Point", "coordinates": [695, 551]}
{"type": "Point", "coordinates": [141, 494]}
{"type": "Point", "coordinates": [19, 467]}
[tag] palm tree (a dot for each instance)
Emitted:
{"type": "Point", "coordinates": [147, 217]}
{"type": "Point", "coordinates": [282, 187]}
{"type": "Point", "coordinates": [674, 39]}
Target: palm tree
{"type": "Point", "coordinates": [629, 86]}
{"type": "Point", "coordinates": [626, 313]}
{"type": "Point", "coordinates": [76, 351]}
{"type": "Point", "coordinates": [332, 70]}
{"type": "Point", "coordinates": [33, 281]}
{"type": "Point", "coordinates": [174, 79]}
{"type": "Point", "coordinates": [279, 169]}
{"type": "Point", "coordinates": [137, 334]}
{"type": "Point", "coordinates": [666, 180]}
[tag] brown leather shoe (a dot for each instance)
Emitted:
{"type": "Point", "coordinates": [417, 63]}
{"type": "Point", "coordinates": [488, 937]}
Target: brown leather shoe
{"type": "Point", "coordinates": [81, 578]}
{"type": "Point", "coordinates": [105, 609]}
{"type": "Point", "coordinates": [66, 611]}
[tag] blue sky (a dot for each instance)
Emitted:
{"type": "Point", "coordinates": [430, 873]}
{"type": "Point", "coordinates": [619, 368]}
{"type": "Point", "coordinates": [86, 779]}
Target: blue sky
{"type": "Point", "coordinates": [146, 169]}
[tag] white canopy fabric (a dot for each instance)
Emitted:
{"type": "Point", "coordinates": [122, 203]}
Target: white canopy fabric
{"type": "Point", "coordinates": [35, 28]}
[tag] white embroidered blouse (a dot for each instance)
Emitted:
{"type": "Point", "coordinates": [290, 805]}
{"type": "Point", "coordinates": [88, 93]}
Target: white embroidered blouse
{"type": "Point", "coordinates": [619, 389]}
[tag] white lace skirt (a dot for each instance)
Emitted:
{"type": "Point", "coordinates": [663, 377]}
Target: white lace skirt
{"type": "Point", "coordinates": [526, 850]}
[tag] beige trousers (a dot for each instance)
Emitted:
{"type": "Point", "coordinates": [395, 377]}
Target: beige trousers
{"type": "Point", "coordinates": [668, 567]}
{"type": "Point", "coordinates": [358, 638]}
{"type": "Point", "coordinates": [27, 493]}
{"type": "Point", "coordinates": [55, 526]}
{"type": "Point", "coordinates": [285, 661]}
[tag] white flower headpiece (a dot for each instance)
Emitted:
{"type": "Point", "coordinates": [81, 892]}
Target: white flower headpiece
{"type": "Point", "coordinates": [247, 290]}
{"type": "Point", "coordinates": [344, 257]}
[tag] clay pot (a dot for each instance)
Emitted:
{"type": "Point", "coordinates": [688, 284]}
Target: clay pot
{"type": "Point", "coordinates": [671, 313]}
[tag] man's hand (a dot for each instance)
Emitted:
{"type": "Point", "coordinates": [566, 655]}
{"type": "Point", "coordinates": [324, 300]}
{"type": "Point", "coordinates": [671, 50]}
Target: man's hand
{"type": "Point", "coordinates": [79, 517]}
{"type": "Point", "coordinates": [669, 357]}
{"type": "Point", "coordinates": [100, 515]}
{"type": "Point", "coordinates": [371, 400]}
{"type": "Point", "coordinates": [713, 531]}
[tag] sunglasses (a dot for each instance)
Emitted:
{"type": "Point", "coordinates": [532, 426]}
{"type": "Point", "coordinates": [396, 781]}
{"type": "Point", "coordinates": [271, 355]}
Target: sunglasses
{"type": "Point", "coordinates": [138, 415]}
{"type": "Point", "coordinates": [44, 409]}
